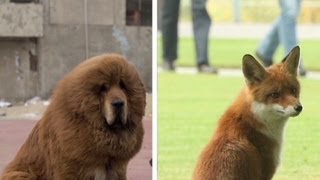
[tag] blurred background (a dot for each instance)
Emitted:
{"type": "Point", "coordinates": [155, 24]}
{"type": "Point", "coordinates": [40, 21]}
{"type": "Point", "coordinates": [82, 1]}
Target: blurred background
{"type": "Point", "coordinates": [42, 40]}
{"type": "Point", "coordinates": [191, 103]}
{"type": "Point", "coordinates": [252, 11]}
{"type": "Point", "coordinates": [243, 24]}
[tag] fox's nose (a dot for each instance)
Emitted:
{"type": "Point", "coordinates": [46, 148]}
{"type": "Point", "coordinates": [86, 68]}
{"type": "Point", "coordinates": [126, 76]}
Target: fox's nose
{"type": "Point", "coordinates": [298, 108]}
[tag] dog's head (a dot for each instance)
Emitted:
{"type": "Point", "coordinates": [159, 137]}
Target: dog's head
{"type": "Point", "coordinates": [114, 104]}
{"type": "Point", "coordinates": [105, 90]}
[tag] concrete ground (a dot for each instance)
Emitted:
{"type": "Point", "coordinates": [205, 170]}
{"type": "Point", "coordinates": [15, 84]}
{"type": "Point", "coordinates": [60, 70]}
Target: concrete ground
{"type": "Point", "coordinates": [17, 121]}
{"type": "Point", "coordinates": [248, 31]}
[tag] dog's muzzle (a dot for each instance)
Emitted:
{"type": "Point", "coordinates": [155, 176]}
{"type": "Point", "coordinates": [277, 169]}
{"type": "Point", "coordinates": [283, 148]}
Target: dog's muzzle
{"type": "Point", "coordinates": [119, 114]}
{"type": "Point", "coordinates": [118, 104]}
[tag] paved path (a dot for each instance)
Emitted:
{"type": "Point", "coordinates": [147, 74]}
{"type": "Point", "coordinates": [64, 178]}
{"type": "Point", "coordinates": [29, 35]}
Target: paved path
{"type": "Point", "coordinates": [232, 72]}
{"type": "Point", "coordinates": [14, 132]}
{"type": "Point", "coordinates": [253, 31]}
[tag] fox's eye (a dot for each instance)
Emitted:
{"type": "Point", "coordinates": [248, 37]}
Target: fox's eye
{"type": "Point", "coordinates": [294, 90]}
{"type": "Point", "coordinates": [275, 95]}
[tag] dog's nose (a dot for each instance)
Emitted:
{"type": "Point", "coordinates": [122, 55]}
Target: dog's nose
{"type": "Point", "coordinates": [298, 108]}
{"type": "Point", "coordinates": [117, 103]}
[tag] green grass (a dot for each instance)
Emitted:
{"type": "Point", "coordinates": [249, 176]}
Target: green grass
{"type": "Point", "coordinates": [228, 52]}
{"type": "Point", "coordinates": [190, 105]}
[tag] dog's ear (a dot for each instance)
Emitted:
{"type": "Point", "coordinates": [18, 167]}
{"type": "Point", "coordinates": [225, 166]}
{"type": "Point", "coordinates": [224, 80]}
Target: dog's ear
{"type": "Point", "coordinates": [253, 71]}
{"type": "Point", "coordinates": [291, 61]}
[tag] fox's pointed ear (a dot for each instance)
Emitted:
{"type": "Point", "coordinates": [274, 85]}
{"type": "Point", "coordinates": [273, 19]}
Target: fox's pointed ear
{"type": "Point", "coordinates": [253, 71]}
{"type": "Point", "coordinates": [291, 61]}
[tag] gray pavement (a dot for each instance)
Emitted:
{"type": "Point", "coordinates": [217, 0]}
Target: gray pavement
{"type": "Point", "coordinates": [231, 72]}
{"type": "Point", "coordinates": [246, 30]}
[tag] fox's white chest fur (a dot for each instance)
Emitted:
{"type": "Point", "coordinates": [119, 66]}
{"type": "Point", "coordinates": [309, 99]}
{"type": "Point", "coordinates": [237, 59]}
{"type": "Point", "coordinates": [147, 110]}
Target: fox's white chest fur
{"type": "Point", "coordinates": [274, 124]}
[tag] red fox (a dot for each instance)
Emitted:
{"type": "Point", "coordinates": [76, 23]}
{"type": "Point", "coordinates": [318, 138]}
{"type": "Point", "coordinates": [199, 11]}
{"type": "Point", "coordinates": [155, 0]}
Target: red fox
{"type": "Point", "coordinates": [247, 142]}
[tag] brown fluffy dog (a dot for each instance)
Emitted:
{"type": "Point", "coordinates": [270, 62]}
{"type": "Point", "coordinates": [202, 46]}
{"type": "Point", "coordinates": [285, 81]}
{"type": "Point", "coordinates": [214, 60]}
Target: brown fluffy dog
{"type": "Point", "coordinates": [91, 129]}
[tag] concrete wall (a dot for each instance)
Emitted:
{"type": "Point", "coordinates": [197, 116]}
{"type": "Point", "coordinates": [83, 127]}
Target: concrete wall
{"type": "Point", "coordinates": [99, 12]}
{"type": "Point", "coordinates": [17, 80]}
{"type": "Point", "coordinates": [68, 38]}
{"type": "Point", "coordinates": [64, 44]}
{"type": "Point", "coordinates": [21, 20]}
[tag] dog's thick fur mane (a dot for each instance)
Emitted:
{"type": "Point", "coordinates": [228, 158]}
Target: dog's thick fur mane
{"type": "Point", "coordinates": [72, 140]}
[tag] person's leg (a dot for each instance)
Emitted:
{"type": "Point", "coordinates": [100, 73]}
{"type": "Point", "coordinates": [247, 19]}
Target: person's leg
{"type": "Point", "coordinates": [269, 45]}
{"type": "Point", "coordinates": [201, 26]}
{"type": "Point", "coordinates": [288, 23]}
{"type": "Point", "coordinates": [170, 17]}
{"type": "Point", "coordinates": [290, 10]}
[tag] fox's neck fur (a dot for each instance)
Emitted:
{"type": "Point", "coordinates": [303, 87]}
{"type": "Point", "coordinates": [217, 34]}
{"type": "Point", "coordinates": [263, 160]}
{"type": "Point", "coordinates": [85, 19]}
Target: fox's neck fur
{"type": "Point", "coordinates": [273, 125]}
{"type": "Point", "coordinates": [241, 123]}
{"type": "Point", "coordinates": [270, 126]}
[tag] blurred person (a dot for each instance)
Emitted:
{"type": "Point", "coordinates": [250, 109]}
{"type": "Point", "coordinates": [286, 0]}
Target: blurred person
{"type": "Point", "coordinates": [283, 31]}
{"type": "Point", "coordinates": [201, 24]}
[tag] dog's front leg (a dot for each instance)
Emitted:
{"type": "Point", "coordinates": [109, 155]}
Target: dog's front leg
{"type": "Point", "coordinates": [117, 170]}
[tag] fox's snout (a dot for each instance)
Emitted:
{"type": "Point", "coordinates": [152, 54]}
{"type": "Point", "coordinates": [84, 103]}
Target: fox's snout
{"type": "Point", "coordinates": [298, 108]}
{"type": "Point", "coordinates": [293, 111]}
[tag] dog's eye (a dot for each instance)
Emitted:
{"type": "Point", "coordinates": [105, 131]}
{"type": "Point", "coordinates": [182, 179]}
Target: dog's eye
{"type": "Point", "coordinates": [104, 88]}
{"type": "Point", "coordinates": [274, 95]}
{"type": "Point", "coordinates": [122, 85]}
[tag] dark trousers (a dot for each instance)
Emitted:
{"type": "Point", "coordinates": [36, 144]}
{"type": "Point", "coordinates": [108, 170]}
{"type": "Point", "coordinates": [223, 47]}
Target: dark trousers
{"type": "Point", "coordinates": [201, 26]}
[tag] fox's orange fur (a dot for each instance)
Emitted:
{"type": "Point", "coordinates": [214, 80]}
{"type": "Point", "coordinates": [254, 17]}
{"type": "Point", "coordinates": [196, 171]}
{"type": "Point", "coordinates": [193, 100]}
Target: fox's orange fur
{"type": "Point", "coordinates": [247, 142]}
